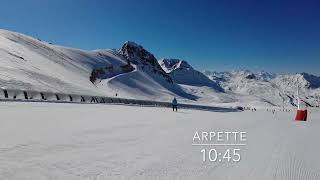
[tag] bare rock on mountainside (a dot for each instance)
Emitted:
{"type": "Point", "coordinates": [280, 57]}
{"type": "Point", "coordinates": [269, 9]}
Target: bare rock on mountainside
{"type": "Point", "coordinates": [251, 76]}
{"type": "Point", "coordinates": [139, 56]}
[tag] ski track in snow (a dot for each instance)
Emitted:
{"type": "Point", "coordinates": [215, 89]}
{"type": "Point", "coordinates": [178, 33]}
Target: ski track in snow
{"type": "Point", "coordinates": [73, 141]}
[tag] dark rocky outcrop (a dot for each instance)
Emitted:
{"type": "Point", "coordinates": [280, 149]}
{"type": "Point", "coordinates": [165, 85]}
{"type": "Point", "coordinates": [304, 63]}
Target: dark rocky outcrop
{"type": "Point", "coordinates": [143, 59]}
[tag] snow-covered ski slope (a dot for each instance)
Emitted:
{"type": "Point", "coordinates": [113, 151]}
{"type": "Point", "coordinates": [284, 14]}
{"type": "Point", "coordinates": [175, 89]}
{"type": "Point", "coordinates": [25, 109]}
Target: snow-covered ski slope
{"type": "Point", "coordinates": [82, 142]}
{"type": "Point", "coordinates": [33, 64]}
{"type": "Point", "coordinates": [28, 63]}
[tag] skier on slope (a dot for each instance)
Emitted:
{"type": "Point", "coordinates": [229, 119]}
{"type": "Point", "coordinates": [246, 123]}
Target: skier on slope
{"type": "Point", "coordinates": [174, 104]}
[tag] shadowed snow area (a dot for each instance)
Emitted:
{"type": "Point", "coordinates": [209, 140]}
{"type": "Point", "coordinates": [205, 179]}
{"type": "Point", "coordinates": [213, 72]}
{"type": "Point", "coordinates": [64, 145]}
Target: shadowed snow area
{"type": "Point", "coordinates": [75, 142]}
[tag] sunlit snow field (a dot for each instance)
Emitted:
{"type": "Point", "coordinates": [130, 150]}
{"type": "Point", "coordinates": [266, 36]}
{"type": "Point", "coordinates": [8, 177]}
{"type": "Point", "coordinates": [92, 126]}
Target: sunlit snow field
{"type": "Point", "coordinates": [91, 141]}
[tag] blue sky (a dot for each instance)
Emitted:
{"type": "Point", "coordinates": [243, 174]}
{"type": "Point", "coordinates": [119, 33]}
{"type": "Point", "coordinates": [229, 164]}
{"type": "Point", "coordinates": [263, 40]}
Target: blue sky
{"type": "Point", "coordinates": [277, 36]}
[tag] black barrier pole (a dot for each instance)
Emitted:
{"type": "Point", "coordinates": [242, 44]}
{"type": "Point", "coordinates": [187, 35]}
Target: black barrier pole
{"type": "Point", "coordinates": [102, 100]}
{"type": "Point", "coordinates": [5, 93]}
{"type": "Point", "coordinates": [42, 96]}
{"type": "Point", "coordinates": [25, 94]}
{"type": "Point", "coordinates": [58, 98]}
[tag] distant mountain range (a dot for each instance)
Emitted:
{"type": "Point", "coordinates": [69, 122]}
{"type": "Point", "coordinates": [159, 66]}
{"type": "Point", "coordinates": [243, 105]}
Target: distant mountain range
{"type": "Point", "coordinates": [132, 71]}
{"type": "Point", "coordinates": [279, 90]}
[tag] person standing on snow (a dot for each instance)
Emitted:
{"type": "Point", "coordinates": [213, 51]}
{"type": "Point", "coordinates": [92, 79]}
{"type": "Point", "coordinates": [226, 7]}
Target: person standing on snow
{"type": "Point", "coordinates": [174, 104]}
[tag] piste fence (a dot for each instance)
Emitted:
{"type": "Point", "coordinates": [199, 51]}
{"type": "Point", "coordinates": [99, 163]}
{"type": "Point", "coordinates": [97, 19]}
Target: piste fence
{"type": "Point", "coordinates": [52, 97]}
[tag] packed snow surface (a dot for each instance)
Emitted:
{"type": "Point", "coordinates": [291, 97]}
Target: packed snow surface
{"type": "Point", "coordinates": [93, 141]}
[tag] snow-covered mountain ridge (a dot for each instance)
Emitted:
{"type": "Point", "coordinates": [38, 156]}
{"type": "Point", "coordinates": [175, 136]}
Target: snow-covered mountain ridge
{"type": "Point", "coordinates": [133, 72]}
{"type": "Point", "coordinates": [183, 73]}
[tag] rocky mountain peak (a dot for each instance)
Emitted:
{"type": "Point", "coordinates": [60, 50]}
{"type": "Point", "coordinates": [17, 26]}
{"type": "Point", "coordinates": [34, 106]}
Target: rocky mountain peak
{"type": "Point", "coordinates": [143, 59]}
{"type": "Point", "coordinates": [136, 54]}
